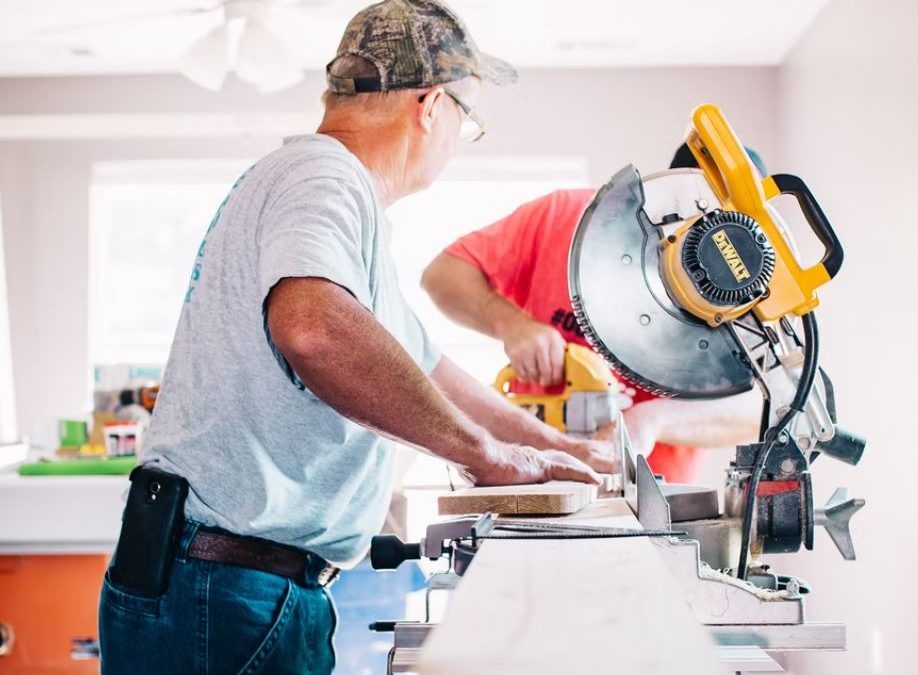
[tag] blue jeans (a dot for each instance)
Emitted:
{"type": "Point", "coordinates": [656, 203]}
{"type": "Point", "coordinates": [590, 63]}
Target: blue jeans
{"type": "Point", "coordinates": [214, 619]}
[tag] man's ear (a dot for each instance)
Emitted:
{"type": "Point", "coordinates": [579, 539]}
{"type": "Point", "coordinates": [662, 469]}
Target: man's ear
{"type": "Point", "coordinates": [430, 106]}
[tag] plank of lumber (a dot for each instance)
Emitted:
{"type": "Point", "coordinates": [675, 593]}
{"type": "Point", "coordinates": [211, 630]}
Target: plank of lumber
{"type": "Point", "coordinates": [570, 606]}
{"type": "Point", "coordinates": [555, 497]}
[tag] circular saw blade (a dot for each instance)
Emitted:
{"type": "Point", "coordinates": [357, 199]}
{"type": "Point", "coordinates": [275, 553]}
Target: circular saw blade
{"type": "Point", "coordinates": [621, 303]}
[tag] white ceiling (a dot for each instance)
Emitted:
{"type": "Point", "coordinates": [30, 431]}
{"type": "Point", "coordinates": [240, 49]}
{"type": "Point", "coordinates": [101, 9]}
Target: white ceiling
{"type": "Point", "coordinates": [64, 37]}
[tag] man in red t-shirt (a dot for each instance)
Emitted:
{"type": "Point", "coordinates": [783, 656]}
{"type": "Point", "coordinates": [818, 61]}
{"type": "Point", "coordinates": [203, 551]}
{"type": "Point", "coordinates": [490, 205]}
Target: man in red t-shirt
{"type": "Point", "coordinates": [509, 281]}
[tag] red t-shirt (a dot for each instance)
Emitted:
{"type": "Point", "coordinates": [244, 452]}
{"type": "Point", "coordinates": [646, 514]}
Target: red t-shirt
{"type": "Point", "coordinates": [524, 257]}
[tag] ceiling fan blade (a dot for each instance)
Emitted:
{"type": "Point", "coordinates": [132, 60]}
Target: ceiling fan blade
{"type": "Point", "coordinates": [264, 61]}
{"type": "Point", "coordinates": [205, 63]}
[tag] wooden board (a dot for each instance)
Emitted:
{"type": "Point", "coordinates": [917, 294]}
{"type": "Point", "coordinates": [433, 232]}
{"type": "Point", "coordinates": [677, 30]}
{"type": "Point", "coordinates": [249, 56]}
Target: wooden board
{"type": "Point", "coordinates": [553, 498]}
{"type": "Point", "coordinates": [570, 606]}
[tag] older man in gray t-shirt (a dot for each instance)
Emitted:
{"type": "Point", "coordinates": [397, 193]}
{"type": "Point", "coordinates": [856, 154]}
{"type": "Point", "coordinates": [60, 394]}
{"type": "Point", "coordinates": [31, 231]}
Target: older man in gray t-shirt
{"type": "Point", "coordinates": [262, 453]}
{"type": "Point", "coordinates": [296, 363]}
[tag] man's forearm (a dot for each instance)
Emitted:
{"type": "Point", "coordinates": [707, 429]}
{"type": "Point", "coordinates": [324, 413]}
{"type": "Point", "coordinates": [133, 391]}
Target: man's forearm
{"type": "Point", "coordinates": [351, 362]}
{"type": "Point", "coordinates": [462, 292]}
{"type": "Point", "coordinates": [486, 407]}
{"type": "Point", "coordinates": [706, 424]}
{"type": "Point", "coordinates": [347, 345]}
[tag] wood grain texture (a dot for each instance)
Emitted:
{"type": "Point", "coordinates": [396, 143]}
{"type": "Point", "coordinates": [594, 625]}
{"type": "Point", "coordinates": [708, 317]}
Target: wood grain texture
{"type": "Point", "coordinates": [553, 498]}
{"type": "Point", "coordinates": [571, 607]}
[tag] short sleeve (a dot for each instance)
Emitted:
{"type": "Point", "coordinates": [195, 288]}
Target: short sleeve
{"type": "Point", "coordinates": [506, 250]}
{"type": "Point", "coordinates": [317, 227]}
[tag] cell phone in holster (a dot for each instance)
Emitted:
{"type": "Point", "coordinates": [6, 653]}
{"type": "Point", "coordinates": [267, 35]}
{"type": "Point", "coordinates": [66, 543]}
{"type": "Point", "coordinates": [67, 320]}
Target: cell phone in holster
{"type": "Point", "coordinates": [150, 530]}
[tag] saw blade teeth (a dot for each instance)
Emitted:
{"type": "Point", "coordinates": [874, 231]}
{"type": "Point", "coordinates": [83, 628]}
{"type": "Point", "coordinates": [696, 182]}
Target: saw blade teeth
{"type": "Point", "coordinates": [593, 338]}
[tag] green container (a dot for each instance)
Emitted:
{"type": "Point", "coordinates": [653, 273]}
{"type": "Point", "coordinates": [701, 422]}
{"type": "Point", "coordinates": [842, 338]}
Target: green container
{"type": "Point", "coordinates": [72, 433]}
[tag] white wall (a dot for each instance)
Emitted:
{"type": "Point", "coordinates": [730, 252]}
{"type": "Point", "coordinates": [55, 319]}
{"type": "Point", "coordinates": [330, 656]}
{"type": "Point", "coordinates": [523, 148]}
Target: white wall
{"type": "Point", "coordinates": [8, 431]}
{"type": "Point", "coordinates": [849, 109]}
{"type": "Point", "coordinates": [610, 117]}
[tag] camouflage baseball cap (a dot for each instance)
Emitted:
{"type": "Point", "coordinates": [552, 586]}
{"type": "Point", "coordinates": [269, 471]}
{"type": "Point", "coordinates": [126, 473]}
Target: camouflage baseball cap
{"type": "Point", "coordinates": [413, 44]}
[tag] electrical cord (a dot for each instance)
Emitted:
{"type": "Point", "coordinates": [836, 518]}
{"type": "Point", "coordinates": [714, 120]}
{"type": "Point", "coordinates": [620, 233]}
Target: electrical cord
{"type": "Point", "coordinates": [804, 387]}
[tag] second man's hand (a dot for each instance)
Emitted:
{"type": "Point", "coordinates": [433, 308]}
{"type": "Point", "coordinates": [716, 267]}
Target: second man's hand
{"type": "Point", "coordinates": [535, 350]}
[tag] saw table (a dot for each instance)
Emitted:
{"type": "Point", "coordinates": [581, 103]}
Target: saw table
{"type": "Point", "coordinates": [540, 606]}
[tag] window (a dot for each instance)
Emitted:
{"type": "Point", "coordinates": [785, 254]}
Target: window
{"type": "Point", "coordinates": [147, 219]}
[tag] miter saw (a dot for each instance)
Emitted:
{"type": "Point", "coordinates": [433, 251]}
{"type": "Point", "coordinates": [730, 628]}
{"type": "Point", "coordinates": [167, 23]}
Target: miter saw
{"type": "Point", "coordinates": [686, 282]}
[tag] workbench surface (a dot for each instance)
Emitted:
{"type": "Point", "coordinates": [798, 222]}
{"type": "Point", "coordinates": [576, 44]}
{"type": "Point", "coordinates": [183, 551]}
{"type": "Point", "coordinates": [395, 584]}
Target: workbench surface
{"type": "Point", "coordinates": [570, 606]}
{"type": "Point", "coordinates": [60, 514]}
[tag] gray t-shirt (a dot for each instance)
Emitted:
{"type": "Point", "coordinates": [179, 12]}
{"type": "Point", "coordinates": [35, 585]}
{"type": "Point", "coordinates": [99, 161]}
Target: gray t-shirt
{"type": "Point", "coordinates": [264, 456]}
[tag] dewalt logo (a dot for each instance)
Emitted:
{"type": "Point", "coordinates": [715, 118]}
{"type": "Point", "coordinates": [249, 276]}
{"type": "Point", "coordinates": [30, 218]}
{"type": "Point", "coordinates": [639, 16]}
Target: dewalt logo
{"type": "Point", "coordinates": [731, 257]}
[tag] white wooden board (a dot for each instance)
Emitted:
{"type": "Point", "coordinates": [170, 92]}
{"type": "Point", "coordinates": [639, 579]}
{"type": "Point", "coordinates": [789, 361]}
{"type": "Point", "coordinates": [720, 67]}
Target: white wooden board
{"type": "Point", "coordinates": [570, 607]}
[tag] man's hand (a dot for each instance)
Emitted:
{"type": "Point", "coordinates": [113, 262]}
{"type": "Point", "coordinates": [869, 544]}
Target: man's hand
{"type": "Point", "coordinates": [520, 464]}
{"type": "Point", "coordinates": [600, 455]}
{"type": "Point", "coordinates": [513, 425]}
{"type": "Point", "coordinates": [536, 351]}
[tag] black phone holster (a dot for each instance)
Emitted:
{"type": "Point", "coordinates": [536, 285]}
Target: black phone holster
{"type": "Point", "coordinates": [150, 531]}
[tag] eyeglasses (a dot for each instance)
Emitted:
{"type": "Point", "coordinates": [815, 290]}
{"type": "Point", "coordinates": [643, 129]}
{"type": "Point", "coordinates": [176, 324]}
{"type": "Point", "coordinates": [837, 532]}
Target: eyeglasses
{"type": "Point", "coordinates": [472, 127]}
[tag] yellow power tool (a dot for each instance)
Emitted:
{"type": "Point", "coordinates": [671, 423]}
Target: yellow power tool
{"type": "Point", "coordinates": [587, 401]}
{"type": "Point", "coordinates": [686, 282]}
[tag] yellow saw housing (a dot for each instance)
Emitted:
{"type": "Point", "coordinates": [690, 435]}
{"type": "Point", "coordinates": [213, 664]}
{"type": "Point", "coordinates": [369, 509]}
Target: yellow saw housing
{"type": "Point", "coordinates": [781, 286]}
{"type": "Point", "coordinates": [585, 374]}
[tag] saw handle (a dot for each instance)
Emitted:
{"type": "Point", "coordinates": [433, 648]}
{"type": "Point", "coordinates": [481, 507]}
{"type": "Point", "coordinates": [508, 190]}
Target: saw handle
{"type": "Point", "coordinates": [792, 185]}
{"type": "Point", "coordinates": [502, 382]}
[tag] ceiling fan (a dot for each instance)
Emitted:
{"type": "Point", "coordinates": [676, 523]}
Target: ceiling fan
{"type": "Point", "coordinates": [243, 42]}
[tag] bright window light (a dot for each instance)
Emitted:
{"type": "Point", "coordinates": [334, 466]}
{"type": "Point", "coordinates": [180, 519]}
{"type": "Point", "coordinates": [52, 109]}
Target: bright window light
{"type": "Point", "coordinates": [147, 219]}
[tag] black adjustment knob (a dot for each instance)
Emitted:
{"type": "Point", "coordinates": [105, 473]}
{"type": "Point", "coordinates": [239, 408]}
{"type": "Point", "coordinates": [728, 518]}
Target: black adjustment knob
{"type": "Point", "coordinates": [845, 446]}
{"type": "Point", "coordinates": [387, 552]}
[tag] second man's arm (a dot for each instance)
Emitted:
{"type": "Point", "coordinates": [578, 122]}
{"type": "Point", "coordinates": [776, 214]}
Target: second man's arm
{"type": "Point", "coordinates": [462, 292]}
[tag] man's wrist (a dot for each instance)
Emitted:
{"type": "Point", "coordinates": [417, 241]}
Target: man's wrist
{"type": "Point", "coordinates": [510, 321]}
{"type": "Point", "coordinates": [552, 439]}
{"type": "Point", "coordinates": [475, 450]}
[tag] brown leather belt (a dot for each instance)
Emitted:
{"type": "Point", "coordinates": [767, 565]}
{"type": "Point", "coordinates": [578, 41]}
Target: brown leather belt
{"type": "Point", "coordinates": [301, 566]}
